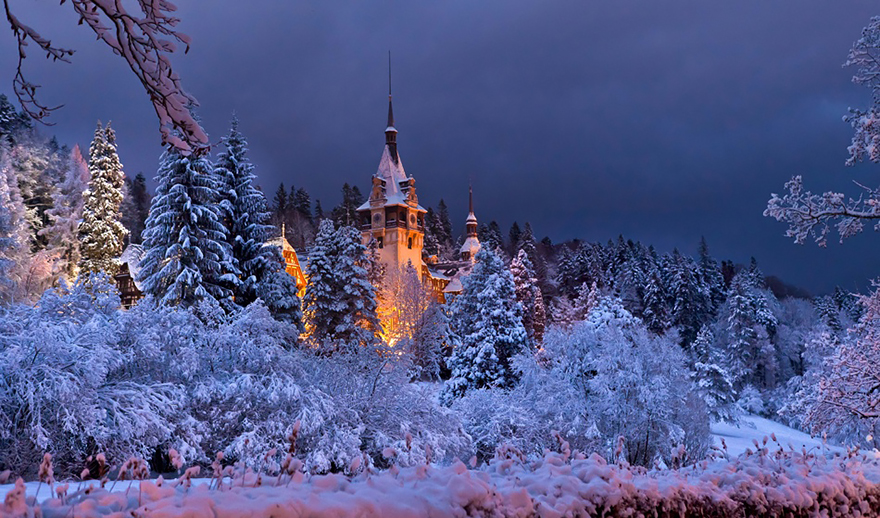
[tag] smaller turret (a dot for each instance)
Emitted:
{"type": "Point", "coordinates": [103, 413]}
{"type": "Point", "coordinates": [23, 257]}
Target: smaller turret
{"type": "Point", "coordinates": [472, 242]}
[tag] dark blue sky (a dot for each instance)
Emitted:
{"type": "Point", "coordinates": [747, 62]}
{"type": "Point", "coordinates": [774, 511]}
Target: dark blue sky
{"type": "Point", "coordinates": [661, 121]}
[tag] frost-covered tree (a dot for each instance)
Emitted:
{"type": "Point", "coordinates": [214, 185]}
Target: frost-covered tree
{"type": "Point", "coordinates": [135, 207]}
{"type": "Point", "coordinates": [66, 213]}
{"type": "Point", "coordinates": [101, 231]}
{"type": "Point", "coordinates": [711, 379]}
{"type": "Point", "coordinates": [529, 296]}
{"type": "Point", "coordinates": [812, 215]}
{"type": "Point", "coordinates": [340, 302]}
{"type": "Point", "coordinates": [848, 393]}
{"type": "Point", "coordinates": [745, 326]}
{"type": "Point", "coordinates": [689, 297]}
{"type": "Point", "coordinates": [488, 320]}
{"type": "Point", "coordinates": [186, 253]}
{"type": "Point", "coordinates": [13, 234]}
{"type": "Point", "coordinates": [608, 377]}
{"type": "Point", "coordinates": [403, 301]}
{"type": "Point", "coordinates": [432, 341]}
{"type": "Point", "coordinates": [246, 214]}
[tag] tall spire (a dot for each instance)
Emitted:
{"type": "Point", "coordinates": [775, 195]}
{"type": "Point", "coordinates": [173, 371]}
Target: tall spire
{"type": "Point", "coordinates": [390, 130]}
{"type": "Point", "coordinates": [470, 199]}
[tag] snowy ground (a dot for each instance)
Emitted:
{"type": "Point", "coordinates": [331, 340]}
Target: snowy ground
{"type": "Point", "coordinates": [765, 483]}
{"type": "Point", "coordinates": [754, 428]}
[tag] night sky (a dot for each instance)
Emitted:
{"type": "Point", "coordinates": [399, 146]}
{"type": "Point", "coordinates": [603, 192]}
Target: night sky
{"type": "Point", "coordinates": [661, 121]}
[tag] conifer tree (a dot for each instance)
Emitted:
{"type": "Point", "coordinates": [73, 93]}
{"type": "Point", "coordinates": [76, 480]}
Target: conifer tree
{"type": "Point", "coordinates": [101, 232]}
{"type": "Point", "coordinates": [135, 207]}
{"type": "Point", "coordinates": [13, 234]}
{"type": "Point", "coordinates": [66, 213]}
{"type": "Point", "coordinates": [529, 296]}
{"type": "Point", "coordinates": [689, 297]}
{"type": "Point", "coordinates": [247, 218]}
{"type": "Point", "coordinates": [711, 378]}
{"type": "Point", "coordinates": [488, 319]}
{"type": "Point", "coordinates": [445, 228]}
{"type": "Point", "coordinates": [711, 276]}
{"type": "Point", "coordinates": [186, 253]}
{"type": "Point", "coordinates": [340, 301]}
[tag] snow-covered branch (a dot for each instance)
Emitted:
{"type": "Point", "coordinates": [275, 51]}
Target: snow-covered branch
{"type": "Point", "coordinates": [144, 40]}
{"type": "Point", "coordinates": [813, 215]}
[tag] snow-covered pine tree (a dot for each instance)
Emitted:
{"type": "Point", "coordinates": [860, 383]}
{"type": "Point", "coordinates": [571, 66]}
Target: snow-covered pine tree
{"type": "Point", "coordinates": [340, 301]}
{"type": "Point", "coordinates": [710, 276]}
{"type": "Point", "coordinates": [746, 324]}
{"type": "Point", "coordinates": [529, 296]}
{"type": "Point", "coordinates": [711, 378]}
{"type": "Point", "coordinates": [690, 299]}
{"type": "Point", "coordinates": [246, 214]}
{"type": "Point", "coordinates": [13, 233]}
{"type": "Point", "coordinates": [101, 231]}
{"type": "Point", "coordinates": [432, 341]}
{"type": "Point", "coordinates": [655, 302]}
{"type": "Point", "coordinates": [488, 319]}
{"type": "Point", "coordinates": [184, 240]}
{"type": "Point", "coordinates": [66, 213]}
{"type": "Point", "coordinates": [135, 207]}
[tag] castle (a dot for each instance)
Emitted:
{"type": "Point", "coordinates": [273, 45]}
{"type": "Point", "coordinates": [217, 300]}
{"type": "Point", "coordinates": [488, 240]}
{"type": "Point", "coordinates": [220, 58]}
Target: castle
{"type": "Point", "coordinates": [393, 218]}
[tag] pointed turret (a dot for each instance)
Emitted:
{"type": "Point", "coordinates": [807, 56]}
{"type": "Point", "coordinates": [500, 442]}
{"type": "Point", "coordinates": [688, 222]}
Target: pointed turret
{"type": "Point", "coordinates": [472, 243]}
{"type": "Point", "coordinates": [391, 133]}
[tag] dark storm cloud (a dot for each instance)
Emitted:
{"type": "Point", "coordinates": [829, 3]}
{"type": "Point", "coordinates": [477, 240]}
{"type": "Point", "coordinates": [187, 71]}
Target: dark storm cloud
{"type": "Point", "coordinates": [662, 121]}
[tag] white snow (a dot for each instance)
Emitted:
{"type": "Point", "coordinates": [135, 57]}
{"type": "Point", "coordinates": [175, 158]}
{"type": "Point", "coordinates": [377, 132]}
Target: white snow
{"type": "Point", "coordinates": [752, 428]}
{"type": "Point", "coordinates": [768, 483]}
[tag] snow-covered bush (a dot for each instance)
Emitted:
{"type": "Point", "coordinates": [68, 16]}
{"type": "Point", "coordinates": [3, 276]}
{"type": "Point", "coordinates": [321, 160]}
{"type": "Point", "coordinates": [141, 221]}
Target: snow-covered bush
{"type": "Point", "coordinates": [67, 387]}
{"type": "Point", "coordinates": [605, 378]}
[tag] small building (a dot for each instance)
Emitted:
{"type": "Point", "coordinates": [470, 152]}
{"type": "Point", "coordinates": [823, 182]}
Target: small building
{"type": "Point", "coordinates": [126, 278]}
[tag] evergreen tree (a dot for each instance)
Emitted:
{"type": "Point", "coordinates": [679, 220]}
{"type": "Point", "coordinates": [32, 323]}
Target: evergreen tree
{"type": "Point", "coordinates": [488, 319]}
{"type": "Point", "coordinates": [13, 234]}
{"type": "Point", "coordinates": [66, 213]}
{"type": "Point", "coordinates": [528, 294]}
{"type": "Point", "coordinates": [432, 341]}
{"type": "Point", "coordinates": [185, 242]}
{"type": "Point", "coordinates": [135, 207]}
{"type": "Point", "coordinates": [101, 231]}
{"type": "Point", "coordinates": [319, 211]}
{"type": "Point", "coordinates": [747, 324]}
{"type": "Point", "coordinates": [346, 212]}
{"type": "Point", "coordinates": [711, 378]}
{"type": "Point", "coordinates": [432, 232]}
{"type": "Point", "coordinates": [277, 289]}
{"type": "Point", "coordinates": [655, 308]}
{"type": "Point", "coordinates": [690, 299]}
{"type": "Point", "coordinates": [12, 122]}
{"type": "Point", "coordinates": [513, 237]}
{"type": "Point", "coordinates": [279, 207]}
{"type": "Point", "coordinates": [490, 236]}
{"type": "Point", "coordinates": [340, 301]}
{"type": "Point", "coordinates": [711, 276]}
{"type": "Point", "coordinates": [444, 235]}
{"type": "Point", "coordinates": [247, 219]}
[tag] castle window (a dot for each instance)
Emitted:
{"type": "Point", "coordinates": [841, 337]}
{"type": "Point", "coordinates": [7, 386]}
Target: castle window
{"type": "Point", "coordinates": [379, 239]}
{"type": "Point", "coordinates": [409, 243]}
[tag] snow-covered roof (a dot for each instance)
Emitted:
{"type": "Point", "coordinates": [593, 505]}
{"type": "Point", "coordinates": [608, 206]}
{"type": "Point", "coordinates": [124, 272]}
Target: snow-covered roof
{"type": "Point", "coordinates": [471, 245]}
{"type": "Point", "coordinates": [133, 254]}
{"type": "Point", "coordinates": [471, 218]}
{"type": "Point", "coordinates": [281, 242]}
{"type": "Point", "coordinates": [392, 173]}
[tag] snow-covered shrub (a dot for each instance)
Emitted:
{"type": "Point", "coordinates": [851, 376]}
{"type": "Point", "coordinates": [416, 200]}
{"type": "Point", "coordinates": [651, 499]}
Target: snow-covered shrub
{"type": "Point", "coordinates": [67, 387]}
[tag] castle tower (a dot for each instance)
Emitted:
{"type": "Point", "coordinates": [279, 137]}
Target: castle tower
{"type": "Point", "coordinates": [392, 215]}
{"type": "Point", "coordinates": [472, 242]}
